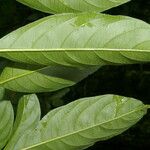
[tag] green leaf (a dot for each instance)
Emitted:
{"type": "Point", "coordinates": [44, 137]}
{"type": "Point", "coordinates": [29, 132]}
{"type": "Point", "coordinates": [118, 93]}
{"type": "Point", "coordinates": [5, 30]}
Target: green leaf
{"type": "Point", "coordinates": [57, 98]}
{"type": "Point", "coordinates": [61, 6]}
{"type": "Point", "coordinates": [28, 116]}
{"type": "Point", "coordinates": [2, 91]}
{"type": "Point", "coordinates": [79, 39]}
{"type": "Point", "coordinates": [81, 123]}
{"type": "Point", "coordinates": [6, 122]}
{"type": "Point", "coordinates": [42, 79]}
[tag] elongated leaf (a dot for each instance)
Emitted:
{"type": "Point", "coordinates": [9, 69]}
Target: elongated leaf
{"type": "Point", "coordinates": [2, 91]}
{"type": "Point", "coordinates": [28, 116]}
{"type": "Point", "coordinates": [43, 79]}
{"type": "Point", "coordinates": [6, 122]}
{"type": "Point", "coordinates": [61, 6]}
{"type": "Point", "coordinates": [81, 123]}
{"type": "Point", "coordinates": [79, 39]}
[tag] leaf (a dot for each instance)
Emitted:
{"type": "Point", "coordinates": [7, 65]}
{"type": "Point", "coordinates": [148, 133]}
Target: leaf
{"type": "Point", "coordinates": [6, 122]}
{"type": "Point", "coordinates": [56, 99]}
{"type": "Point", "coordinates": [61, 6]}
{"type": "Point", "coordinates": [81, 123]}
{"type": "Point", "coordinates": [2, 91]}
{"type": "Point", "coordinates": [42, 79]}
{"type": "Point", "coordinates": [2, 64]}
{"type": "Point", "coordinates": [79, 39]}
{"type": "Point", "coordinates": [28, 116]}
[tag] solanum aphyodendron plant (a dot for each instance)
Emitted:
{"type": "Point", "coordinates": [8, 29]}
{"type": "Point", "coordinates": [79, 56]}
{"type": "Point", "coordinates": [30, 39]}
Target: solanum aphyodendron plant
{"type": "Point", "coordinates": [57, 52]}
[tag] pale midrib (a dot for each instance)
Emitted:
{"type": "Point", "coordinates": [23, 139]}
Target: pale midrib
{"type": "Point", "coordinates": [22, 75]}
{"type": "Point", "coordinates": [58, 138]}
{"type": "Point", "coordinates": [11, 50]}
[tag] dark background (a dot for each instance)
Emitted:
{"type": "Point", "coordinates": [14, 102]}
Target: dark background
{"type": "Point", "coordinates": [132, 81]}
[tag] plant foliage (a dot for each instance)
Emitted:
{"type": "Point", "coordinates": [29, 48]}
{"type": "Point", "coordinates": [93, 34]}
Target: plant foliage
{"type": "Point", "coordinates": [57, 52]}
{"type": "Point", "coordinates": [90, 119]}
{"type": "Point", "coordinates": [61, 6]}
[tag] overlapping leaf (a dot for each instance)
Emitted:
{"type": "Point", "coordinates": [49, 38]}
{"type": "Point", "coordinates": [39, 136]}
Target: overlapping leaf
{"type": "Point", "coordinates": [61, 6]}
{"type": "Point", "coordinates": [6, 122]}
{"type": "Point", "coordinates": [2, 91]}
{"type": "Point", "coordinates": [81, 123]}
{"type": "Point", "coordinates": [28, 116]}
{"type": "Point", "coordinates": [79, 39]}
{"type": "Point", "coordinates": [42, 79]}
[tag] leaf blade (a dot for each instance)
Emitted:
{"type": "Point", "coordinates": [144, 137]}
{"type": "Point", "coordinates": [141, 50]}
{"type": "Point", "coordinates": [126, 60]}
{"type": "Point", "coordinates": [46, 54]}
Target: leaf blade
{"type": "Point", "coordinates": [86, 39]}
{"type": "Point", "coordinates": [42, 79]}
{"type": "Point", "coordinates": [84, 122]}
{"type": "Point", "coordinates": [57, 6]}
{"type": "Point", "coordinates": [6, 122]}
{"type": "Point", "coordinates": [28, 116]}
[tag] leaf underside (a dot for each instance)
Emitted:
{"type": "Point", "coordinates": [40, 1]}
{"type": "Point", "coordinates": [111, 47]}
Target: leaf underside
{"type": "Point", "coordinates": [28, 116]}
{"type": "Point", "coordinates": [61, 6]}
{"type": "Point", "coordinates": [81, 123]}
{"type": "Point", "coordinates": [79, 40]}
{"type": "Point", "coordinates": [74, 40]}
{"type": "Point", "coordinates": [32, 79]}
{"type": "Point", "coordinates": [6, 122]}
{"type": "Point", "coordinates": [62, 46]}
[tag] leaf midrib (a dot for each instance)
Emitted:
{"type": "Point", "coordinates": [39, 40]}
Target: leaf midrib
{"type": "Point", "coordinates": [11, 50]}
{"type": "Point", "coordinates": [22, 75]}
{"type": "Point", "coordinates": [57, 138]}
